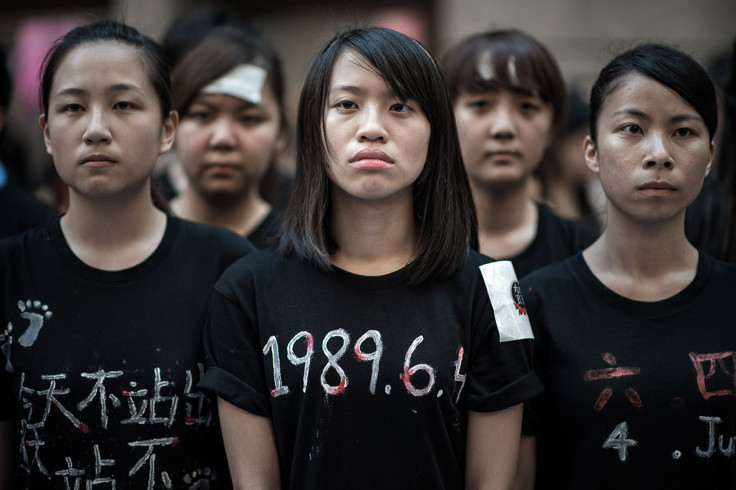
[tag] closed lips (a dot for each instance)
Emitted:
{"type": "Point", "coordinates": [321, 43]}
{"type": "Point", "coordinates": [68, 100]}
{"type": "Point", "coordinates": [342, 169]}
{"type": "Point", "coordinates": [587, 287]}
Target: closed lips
{"type": "Point", "coordinates": [371, 155]}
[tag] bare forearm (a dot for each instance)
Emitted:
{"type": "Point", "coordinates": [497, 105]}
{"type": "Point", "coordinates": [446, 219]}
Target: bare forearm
{"type": "Point", "coordinates": [250, 447]}
{"type": "Point", "coordinates": [493, 448]}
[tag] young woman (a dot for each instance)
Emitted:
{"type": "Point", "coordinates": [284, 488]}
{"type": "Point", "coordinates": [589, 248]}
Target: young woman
{"type": "Point", "coordinates": [509, 100]}
{"type": "Point", "coordinates": [365, 352]}
{"type": "Point", "coordinates": [103, 309]}
{"type": "Point", "coordinates": [229, 92]}
{"type": "Point", "coordinates": [635, 335]}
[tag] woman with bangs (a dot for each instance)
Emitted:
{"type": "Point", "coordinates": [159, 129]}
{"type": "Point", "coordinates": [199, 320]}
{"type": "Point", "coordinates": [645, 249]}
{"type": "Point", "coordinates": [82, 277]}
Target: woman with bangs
{"type": "Point", "coordinates": [228, 90]}
{"type": "Point", "coordinates": [509, 100]}
{"type": "Point", "coordinates": [374, 348]}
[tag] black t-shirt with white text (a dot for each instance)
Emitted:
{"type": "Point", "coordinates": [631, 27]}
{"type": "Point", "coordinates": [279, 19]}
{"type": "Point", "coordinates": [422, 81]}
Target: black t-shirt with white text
{"type": "Point", "coordinates": [638, 395]}
{"type": "Point", "coordinates": [99, 368]}
{"type": "Point", "coordinates": [367, 381]}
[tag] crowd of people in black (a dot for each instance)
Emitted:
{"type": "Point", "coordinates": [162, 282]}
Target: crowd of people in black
{"type": "Point", "coordinates": [475, 278]}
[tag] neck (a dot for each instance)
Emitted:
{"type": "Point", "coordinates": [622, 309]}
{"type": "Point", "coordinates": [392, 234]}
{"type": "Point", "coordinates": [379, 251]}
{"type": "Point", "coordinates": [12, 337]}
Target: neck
{"type": "Point", "coordinates": [373, 238]}
{"type": "Point", "coordinates": [563, 199]}
{"type": "Point", "coordinates": [113, 234]}
{"type": "Point", "coordinates": [643, 261]}
{"type": "Point", "coordinates": [500, 211]}
{"type": "Point", "coordinates": [507, 222]}
{"type": "Point", "coordinates": [241, 216]}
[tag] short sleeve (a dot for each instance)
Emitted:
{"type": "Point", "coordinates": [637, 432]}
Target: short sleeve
{"type": "Point", "coordinates": [232, 345]}
{"type": "Point", "coordinates": [500, 372]}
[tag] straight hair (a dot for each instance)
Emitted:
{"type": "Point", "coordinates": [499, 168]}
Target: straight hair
{"type": "Point", "coordinates": [668, 66]}
{"type": "Point", "coordinates": [443, 209]}
{"type": "Point", "coordinates": [219, 51]}
{"type": "Point", "coordinates": [109, 31]}
{"type": "Point", "coordinates": [509, 59]}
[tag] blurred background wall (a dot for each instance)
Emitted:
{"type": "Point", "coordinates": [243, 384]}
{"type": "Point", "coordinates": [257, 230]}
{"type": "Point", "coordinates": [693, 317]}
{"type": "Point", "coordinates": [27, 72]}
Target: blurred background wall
{"type": "Point", "coordinates": [582, 34]}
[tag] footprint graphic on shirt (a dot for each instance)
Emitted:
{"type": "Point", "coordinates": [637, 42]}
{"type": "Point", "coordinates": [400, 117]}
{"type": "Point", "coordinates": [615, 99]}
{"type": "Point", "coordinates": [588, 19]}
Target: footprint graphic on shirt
{"type": "Point", "coordinates": [36, 313]}
{"type": "Point", "coordinates": [200, 479]}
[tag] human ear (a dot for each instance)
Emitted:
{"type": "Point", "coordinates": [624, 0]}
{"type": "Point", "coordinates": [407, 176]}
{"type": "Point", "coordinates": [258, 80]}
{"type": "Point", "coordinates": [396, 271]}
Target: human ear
{"type": "Point", "coordinates": [169, 131]}
{"type": "Point", "coordinates": [44, 124]}
{"type": "Point", "coordinates": [591, 154]}
{"type": "Point", "coordinates": [710, 158]}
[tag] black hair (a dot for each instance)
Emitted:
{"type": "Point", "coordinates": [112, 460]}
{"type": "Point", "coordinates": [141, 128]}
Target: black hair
{"type": "Point", "coordinates": [443, 208]}
{"type": "Point", "coordinates": [192, 26]}
{"type": "Point", "coordinates": [508, 59]}
{"type": "Point", "coordinates": [111, 31]}
{"type": "Point", "coordinates": [672, 68]}
{"type": "Point", "coordinates": [104, 31]}
{"type": "Point", "coordinates": [222, 49]}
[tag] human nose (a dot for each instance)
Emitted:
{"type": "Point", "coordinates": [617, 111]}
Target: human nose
{"type": "Point", "coordinates": [223, 133]}
{"type": "Point", "coordinates": [658, 155]}
{"type": "Point", "coordinates": [97, 130]}
{"type": "Point", "coordinates": [501, 124]}
{"type": "Point", "coordinates": [372, 127]}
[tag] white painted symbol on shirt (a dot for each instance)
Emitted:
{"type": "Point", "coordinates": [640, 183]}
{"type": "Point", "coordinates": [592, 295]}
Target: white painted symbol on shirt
{"type": "Point", "coordinates": [36, 313]}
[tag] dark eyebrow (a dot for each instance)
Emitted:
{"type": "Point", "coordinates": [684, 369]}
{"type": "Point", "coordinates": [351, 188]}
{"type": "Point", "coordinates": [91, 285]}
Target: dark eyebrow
{"type": "Point", "coordinates": [632, 112]}
{"type": "Point", "coordinates": [686, 117]}
{"type": "Point", "coordinates": [346, 88]}
{"type": "Point", "coordinates": [359, 90]}
{"type": "Point", "coordinates": [641, 115]}
{"type": "Point", "coordinates": [119, 87]}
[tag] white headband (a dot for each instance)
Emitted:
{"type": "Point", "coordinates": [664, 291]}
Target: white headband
{"type": "Point", "coordinates": [244, 82]}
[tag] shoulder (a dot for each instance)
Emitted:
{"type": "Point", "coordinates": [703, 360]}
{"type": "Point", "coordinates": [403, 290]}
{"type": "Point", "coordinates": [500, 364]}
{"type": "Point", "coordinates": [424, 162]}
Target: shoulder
{"type": "Point", "coordinates": [260, 265]}
{"type": "Point", "coordinates": [723, 273]}
{"type": "Point", "coordinates": [202, 235]}
{"type": "Point", "coordinates": [557, 277]}
{"type": "Point", "coordinates": [37, 236]}
{"type": "Point", "coordinates": [266, 234]}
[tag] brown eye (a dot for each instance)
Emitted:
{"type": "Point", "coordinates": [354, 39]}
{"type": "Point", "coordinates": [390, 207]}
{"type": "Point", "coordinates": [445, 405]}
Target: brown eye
{"type": "Point", "coordinates": [124, 105]}
{"type": "Point", "coordinates": [631, 129]}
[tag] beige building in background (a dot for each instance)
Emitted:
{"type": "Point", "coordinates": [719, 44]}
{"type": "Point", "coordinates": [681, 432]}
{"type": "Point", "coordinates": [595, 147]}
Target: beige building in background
{"type": "Point", "coordinates": [582, 34]}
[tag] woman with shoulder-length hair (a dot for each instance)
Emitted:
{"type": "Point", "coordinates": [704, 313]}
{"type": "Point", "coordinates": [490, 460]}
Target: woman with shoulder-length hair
{"type": "Point", "coordinates": [229, 91]}
{"type": "Point", "coordinates": [510, 105]}
{"type": "Point", "coordinates": [635, 336]}
{"type": "Point", "coordinates": [369, 351]}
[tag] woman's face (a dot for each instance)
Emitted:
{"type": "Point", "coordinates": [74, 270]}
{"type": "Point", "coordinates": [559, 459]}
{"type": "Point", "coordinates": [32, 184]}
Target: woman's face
{"type": "Point", "coordinates": [503, 135]}
{"type": "Point", "coordinates": [104, 127]}
{"type": "Point", "coordinates": [653, 150]}
{"type": "Point", "coordinates": [377, 142]}
{"type": "Point", "coordinates": [226, 144]}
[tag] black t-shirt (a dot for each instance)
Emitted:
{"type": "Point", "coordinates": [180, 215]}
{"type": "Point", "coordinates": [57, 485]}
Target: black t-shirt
{"type": "Point", "coordinates": [266, 234]}
{"type": "Point", "coordinates": [367, 381]}
{"type": "Point", "coordinates": [638, 395]}
{"type": "Point", "coordinates": [557, 238]}
{"type": "Point", "coordinates": [99, 368]}
{"type": "Point", "coordinates": [20, 211]}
